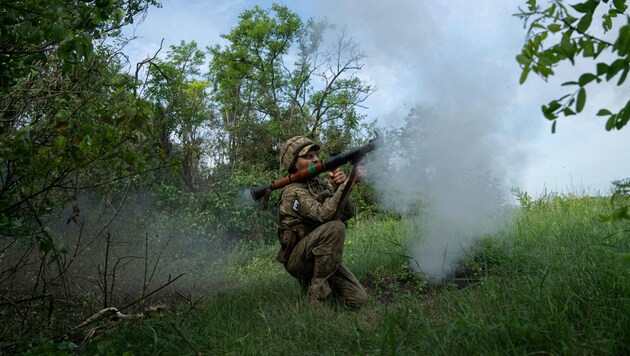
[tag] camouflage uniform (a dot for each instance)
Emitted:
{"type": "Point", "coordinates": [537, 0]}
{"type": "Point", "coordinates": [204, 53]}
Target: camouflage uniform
{"type": "Point", "coordinates": [312, 233]}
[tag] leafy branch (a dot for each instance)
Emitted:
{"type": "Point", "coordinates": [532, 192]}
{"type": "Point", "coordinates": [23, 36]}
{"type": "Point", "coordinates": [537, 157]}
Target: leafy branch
{"type": "Point", "coordinates": [561, 33]}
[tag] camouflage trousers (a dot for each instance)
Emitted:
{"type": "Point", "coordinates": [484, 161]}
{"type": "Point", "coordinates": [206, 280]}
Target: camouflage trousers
{"type": "Point", "coordinates": [317, 263]}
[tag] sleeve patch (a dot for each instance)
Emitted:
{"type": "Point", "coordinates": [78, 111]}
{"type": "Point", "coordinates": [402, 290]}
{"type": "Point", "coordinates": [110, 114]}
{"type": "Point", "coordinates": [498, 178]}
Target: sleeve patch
{"type": "Point", "coordinates": [295, 205]}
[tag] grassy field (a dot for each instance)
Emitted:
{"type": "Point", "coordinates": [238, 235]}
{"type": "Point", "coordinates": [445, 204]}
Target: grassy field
{"type": "Point", "coordinates": [556, 281]}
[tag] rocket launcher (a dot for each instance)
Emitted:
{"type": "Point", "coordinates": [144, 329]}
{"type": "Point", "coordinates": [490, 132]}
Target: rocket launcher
{"type": "Point", "coordinates": [314, 169]}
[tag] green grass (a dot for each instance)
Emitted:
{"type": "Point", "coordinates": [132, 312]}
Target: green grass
{"type": "Point", "coordinates": [554, 282]}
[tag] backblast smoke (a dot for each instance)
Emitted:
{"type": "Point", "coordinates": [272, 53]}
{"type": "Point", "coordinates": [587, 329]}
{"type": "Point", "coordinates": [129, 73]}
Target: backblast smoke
{"type": "Point", "coordinates": [444, 171]}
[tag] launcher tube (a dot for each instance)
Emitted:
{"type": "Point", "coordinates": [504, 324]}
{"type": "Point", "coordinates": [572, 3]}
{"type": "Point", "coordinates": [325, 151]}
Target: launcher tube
{"type": "Point", "coordinates": [314, 169]}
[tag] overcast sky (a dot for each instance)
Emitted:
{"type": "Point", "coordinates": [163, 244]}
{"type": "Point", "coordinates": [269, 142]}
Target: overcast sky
{"type": "Point", "coordinates": [455, 58]}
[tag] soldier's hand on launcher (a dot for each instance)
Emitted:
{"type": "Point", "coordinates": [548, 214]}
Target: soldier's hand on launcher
{"type": "Point", "coordinates": [336, 176]}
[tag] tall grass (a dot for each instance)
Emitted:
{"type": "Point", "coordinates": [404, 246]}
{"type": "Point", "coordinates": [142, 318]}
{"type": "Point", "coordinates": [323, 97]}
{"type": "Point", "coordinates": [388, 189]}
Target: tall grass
{"type": "Point", "coordinates": [553, 282]}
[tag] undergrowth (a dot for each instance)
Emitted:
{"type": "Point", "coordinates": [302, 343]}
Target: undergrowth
{"type": "Point", "coordinates": [554, 282]}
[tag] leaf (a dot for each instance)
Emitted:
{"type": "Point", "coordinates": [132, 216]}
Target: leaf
{"type": "Point", "coordinates": [625, 113]}
{"type": "Point", "coordinates": [539, 39]}
{"type": "Point", "coordinates": [570, 19]}
{"type": "Point", "coordinates": [603, 112]}
{"type": "Point", "coordinates": [567, 47]}
{"type": "Point", "coordinates": [600, 48]}
{"type": "Point", "coordinates": [531, 4]}
{"type": "Point", "coordinates": [118, 15]}
{"type": "Point", "coordinates": [549, 111]}
{"type": "Point", "coordinates": [554, 27]}
{"type": "Point", "coordinates": [614, 68]}
{"type": "Point", "coordinates": [524, 74]}
{"type": "Point", "coordinates": [553, 127]}
{"type": "Point", "coordinates": [602, 68]}
{"type": "Point", "coordinates": [58, 32]}
{"type": "Point", "coordinates": [608, 24]}
{"type": "Point", "coordinates": [45, 245]}
{"type": "Point", "coordinates": [623, 76]}
{"type": "Point", "coordinates": [581, 100]}
{"type": "Point", "coordinates": [620, 5]}
{"type": "Point", "coordinates": [543, 71]}
{"type": "Point", "coordinates": [16, 224]}
{"type": "Point", "coordinates": [586, 78]}
{"type": "Point", "coordinates": [586, 7]}
{"type": "Point", "coordinates": [85, 144]}
{"type": "Point", "coordinates": [585, 22]}
{"type": "Point", "coordinates": [547, 59]}
{"type": "Point", "coordinates": [587, 48]}
{"type": "Point", "coordinates": [524, 60]}
{"type": "Point", "coordinates": [622, 45]}
{"type": "Point", "coordinates": [129, 157]}
{"type": "Point", "coordinates": [620, 124]}
{"type": "Point", "coordinates": [61, 125]}
{"type": "Point", "coordinates": [60, 142]}
{"type": "Point", "coordinates": [554, 105]}
{"type": "Point", "coordinates": [610, 123]}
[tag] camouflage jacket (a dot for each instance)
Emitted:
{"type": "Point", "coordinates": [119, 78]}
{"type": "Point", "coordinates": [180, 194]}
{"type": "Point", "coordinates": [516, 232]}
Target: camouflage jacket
{"type": "Point", "coordinates": [304, 206]}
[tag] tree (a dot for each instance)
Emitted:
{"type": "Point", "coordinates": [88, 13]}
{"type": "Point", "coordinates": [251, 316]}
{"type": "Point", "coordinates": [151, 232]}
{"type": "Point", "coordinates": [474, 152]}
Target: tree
{"type": "Point", "coordinates": [36, 34]}
{"type": "Point", "coordinates": [559, 33]}
{"type": "Point", "coordinates": [182, 106]}
{"type": "Point", "coordinates": [262, 98]}
{"type": "Point", "coordinates": [68, 118]}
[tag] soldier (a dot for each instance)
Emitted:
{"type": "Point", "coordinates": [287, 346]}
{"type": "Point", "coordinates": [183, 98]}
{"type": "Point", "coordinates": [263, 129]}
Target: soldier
{"type": "Point", "coordinates": [312, 228]}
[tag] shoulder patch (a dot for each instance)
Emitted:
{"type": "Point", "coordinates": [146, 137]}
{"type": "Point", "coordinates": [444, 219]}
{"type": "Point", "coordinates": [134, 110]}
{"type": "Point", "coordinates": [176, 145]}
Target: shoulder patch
{"type": "Point", "coordinates": [295, 205]}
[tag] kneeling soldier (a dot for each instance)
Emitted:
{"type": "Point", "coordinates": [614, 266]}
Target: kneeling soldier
{"type": "Point", "coordinates": [312, 228]}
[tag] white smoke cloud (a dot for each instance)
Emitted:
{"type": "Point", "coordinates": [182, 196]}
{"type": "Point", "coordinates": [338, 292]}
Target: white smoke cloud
{"type": "Point", "coordinates": [458, 156]}
{"type": "Point", "coordinates": [451, 176]}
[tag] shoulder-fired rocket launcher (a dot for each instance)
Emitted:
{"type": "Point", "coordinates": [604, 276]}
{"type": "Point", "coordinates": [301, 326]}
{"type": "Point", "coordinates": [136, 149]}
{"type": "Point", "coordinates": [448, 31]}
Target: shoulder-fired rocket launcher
{"type": "Point", "coordinates": [314, 169]}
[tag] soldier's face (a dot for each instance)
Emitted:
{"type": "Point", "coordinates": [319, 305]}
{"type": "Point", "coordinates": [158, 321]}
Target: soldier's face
{"type": "Point", "coordinates": [306, 159]}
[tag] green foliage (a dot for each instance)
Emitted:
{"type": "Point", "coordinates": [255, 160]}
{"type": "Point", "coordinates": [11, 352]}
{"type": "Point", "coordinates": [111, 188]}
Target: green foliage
{"type": "Point", "coordinates": [619, 202]}
{"type": "Point", "coordinates": [365, 197]}
{"type": "Point", "coordinates": [250, 85]}
{"type": "Point", "coordinates": [262, 99]}
{"type": "Point", "coordinates": [524, 199]}
{"type": "Point", "coordinates": [225, 212]}
{"type": "Point", "coordinates": [87, 134]}
{"type": "Point", "coordinates": [559, 33]}
{"type": "Point", "coordinates": [37, 34]}
{"type": "Point", "coordinates": [69, 118]}
{"type": "Point", "coordinates": [45, 346]}
{"type": "Point", "coordinates": [182, 107]}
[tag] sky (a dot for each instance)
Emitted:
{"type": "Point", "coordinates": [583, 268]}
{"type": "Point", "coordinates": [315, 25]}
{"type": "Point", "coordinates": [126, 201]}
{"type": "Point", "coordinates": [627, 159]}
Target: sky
{"type": "Point", "coordinates": [456, 59]}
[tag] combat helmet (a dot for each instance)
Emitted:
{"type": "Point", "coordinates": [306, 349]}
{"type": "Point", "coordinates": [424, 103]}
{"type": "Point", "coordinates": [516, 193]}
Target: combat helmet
{"type": "Point", "coordinates": [293, 148]}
